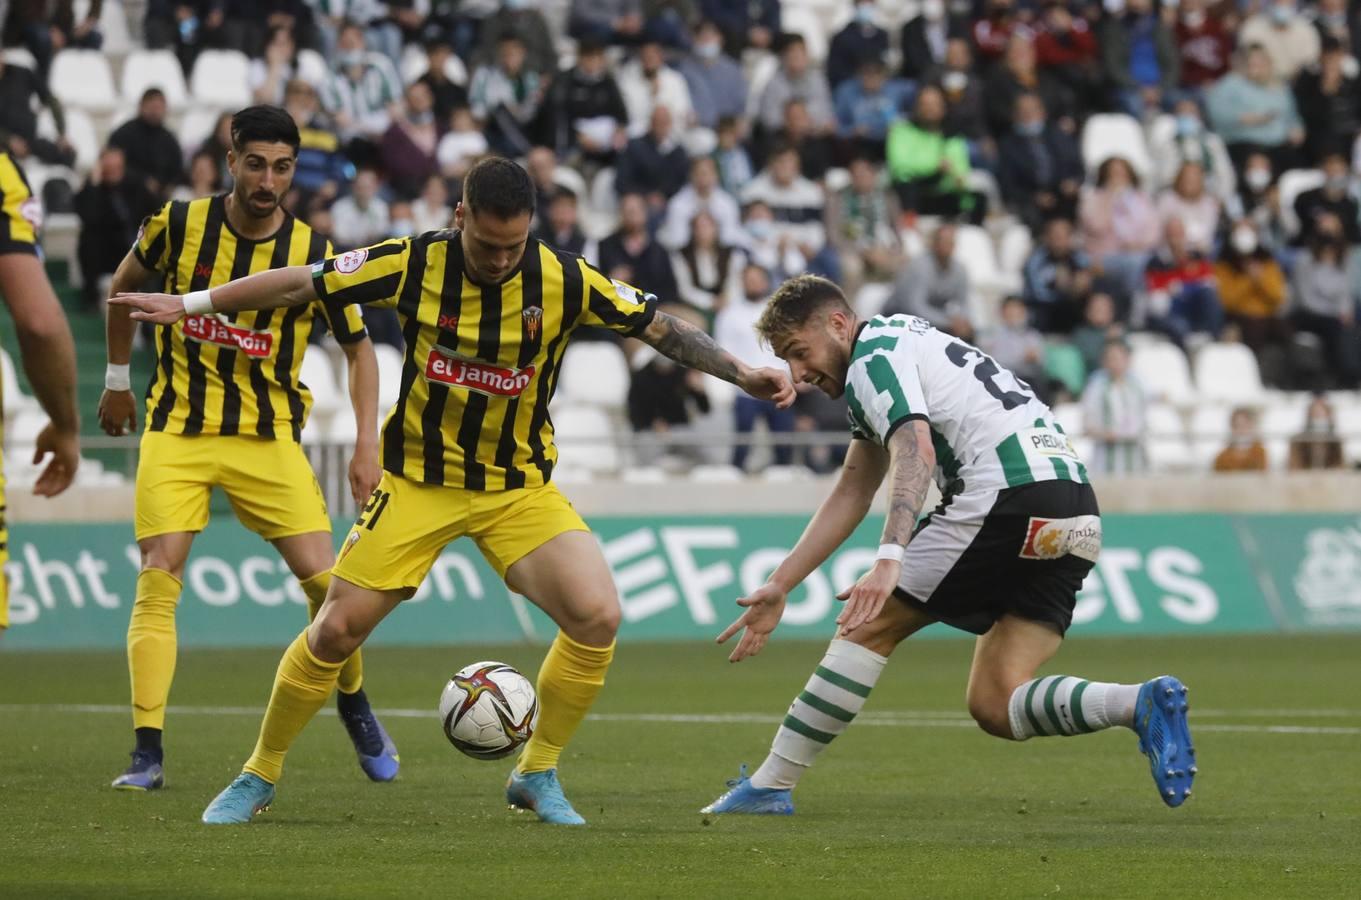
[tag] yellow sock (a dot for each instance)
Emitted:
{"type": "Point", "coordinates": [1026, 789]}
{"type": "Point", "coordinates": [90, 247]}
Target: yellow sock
{"type": "Point", "coordinates": [569, 679]}
{"type": "Point", "coordinates": [301, 687]}
{"type": "Point", "coordinates": [352, 673]}
{"type": "Point", "coordinates": [151, 646]}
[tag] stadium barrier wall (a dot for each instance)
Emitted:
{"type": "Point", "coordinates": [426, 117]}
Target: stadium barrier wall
{"type": "Point", "coordinates": [71, 585]}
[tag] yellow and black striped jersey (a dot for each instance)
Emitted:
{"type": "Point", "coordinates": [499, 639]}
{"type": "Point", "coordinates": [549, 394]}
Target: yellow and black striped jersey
{"type": "Point", "coordinates": [481, 362]}
{"type": "Point", "coordinates": [231, 373]}
{"type": "Point", "coordinates": [21, 213]}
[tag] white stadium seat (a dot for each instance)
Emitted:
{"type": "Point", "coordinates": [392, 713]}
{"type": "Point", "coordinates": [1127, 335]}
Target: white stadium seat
{"type": "Point", "coordinates": [974, 251]}
{"type": "Point", "coordinates": [82, 79]}
{"type": "Point", "coordinates": [319, 376]}
{"type": "Point", "coordinates": [19, 56]}
{"type": "Point", "coordinates": [81, 132]}
{"type": "Point", "coordinates": [415, 63]}
{"type": "Point", "coordinates": [389, 376]}
{"type": "Point", "coordinates": [15, 400]}
{"type": "Point", "coordinates": [1163, 371]}
{"type": "Point", "coordinates": [1015, 249]}
{"type": "Point", "coordinates": [1210, 421]}
{"type": "Point", "coordinates": [585, 438]}
{"type": "Point", "coordinates": [1107, 135]}
{"type": "Point", "coordinates": [1228, 372]}
{"type": "Point", "coordinates": [145, 69]}
{"type": "Point", "coordinates": [716, 473]}
{"type": "Point", "coordinates": [312, 67]}
{"type": "Point", "coordinates": [195, 127]}
{"type": "Point", "coordinates": [1164, 422]}
{"type": "Point", "coordinates": [1168, 454]}
{"type": "Point", "coordinates": [1203, 452]}
{"type": "Point", "coordinates": [1291, 184]}
{"type": "Point", "coordinates": [113, 26]}
{"type": "Point", "coordinates": [1070, 418]}
{"type": "Point", "coordinates": [594, 373]}
{"type": "Point", "coordinates": [221, 78]}
{"type": "Point", "coordinates": [1284, 418]}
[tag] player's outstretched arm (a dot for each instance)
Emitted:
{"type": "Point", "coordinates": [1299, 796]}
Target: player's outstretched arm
{"type": "Point", "coordinates": [829, 528]}
{"type": "Point", "coordinates": [274, 289]}
{"type": "Point", "coordinates": [117, 410]}
{"type": "Point", "coordinates": [912, 460]}
{"type": "Point", "coordinates": [692, 347]}
{"type": "Point", "coordinates": [362, 365]}
{"type": "Point", "coordinates": [49, 357]}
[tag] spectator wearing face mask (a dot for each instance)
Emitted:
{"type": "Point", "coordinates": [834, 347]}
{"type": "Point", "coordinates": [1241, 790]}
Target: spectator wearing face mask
{"type": "Point", "coordinates": [1330, 101]}
{"type": "Point", "coordinates": [362, 86]}
{"type": "Point", "coordinates": [1244, 452]}
{"type": "Point", "coordinates": [1259, 201]}
{"type": "Point", "coordinates": [1254, 293]}
{"type": "Point", "coordinates": [861, 39]}
{"type": "Point", "coordinates": [718, 88]}
{"type": "Point", "coordinates": [965, 111]}
{"type": "Point", "coordinates": [1041, 166]}
{"type": "Point", "coordinates": [647, 82]}
{"type": "Point", "coordinates": [770, 247]}
{"type": "Point", "coordinates": [926, 38]}
{"type": "Point", "coordinates": [1335, 23]}
{"type": "Point", "coordinates": [1140, 60]}
{"type": "Point", "coordinates": [1289, 39]}
{"type": "Point", "coordinates": [1329, 209]}
{"type": "Point", "coordinates": [1191, 142]}
{"type": "Point", "coordinates": [1018, 74]}
{"type": "Point", "coordinates": [1204, 44]}
{"type": "Point", "coordinates": [1317, 446]}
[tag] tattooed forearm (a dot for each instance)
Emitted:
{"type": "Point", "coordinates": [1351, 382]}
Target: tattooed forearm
{"type": "Point", "coordinates": [909, 480]}
{"type": "Point", "coordinates": [690, 346]}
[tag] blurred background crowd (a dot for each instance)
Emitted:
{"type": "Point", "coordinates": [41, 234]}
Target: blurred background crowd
{"type": "Point", "coordinates": [1147, 211]}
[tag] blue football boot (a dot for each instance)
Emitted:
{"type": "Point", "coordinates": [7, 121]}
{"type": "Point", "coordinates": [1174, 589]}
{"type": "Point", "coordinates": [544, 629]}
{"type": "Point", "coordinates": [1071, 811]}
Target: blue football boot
{"type": "Point", "coordinates": [239, 801]}
{"type": "Point", "coordinates": [541, 792]}
{"type": "Point", "coordinates": [1165, 737]}
{"type": "Point", "coordinates": [145, 774]}
{"type": "Point", "coordinates": [365, 731]}
{"type": "Point", "coordinates": [744, 797]}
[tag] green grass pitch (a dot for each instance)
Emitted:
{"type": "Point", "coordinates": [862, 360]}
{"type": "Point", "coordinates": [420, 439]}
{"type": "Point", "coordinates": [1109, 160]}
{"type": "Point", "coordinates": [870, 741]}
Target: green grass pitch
{"type": "Point", "coordinates": [912, 801]}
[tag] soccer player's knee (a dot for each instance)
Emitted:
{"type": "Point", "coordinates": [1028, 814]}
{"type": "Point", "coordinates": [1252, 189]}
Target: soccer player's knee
{"type": "Point", "coordinates": [990, 710]}
{"type": "Point", "coordinates": [596, 626]}
{"type": "Point", "coordinates": [332, 637]}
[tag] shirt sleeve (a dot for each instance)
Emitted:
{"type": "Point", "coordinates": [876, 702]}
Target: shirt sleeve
{"type": "Point", "coordinates": [153, 240]}
{"type": "Point", "coordinates": [883, 393]}
{"type": "Point", "coordinates": [613, 304]}
{"type": "Point", "coordinates": [345, 321]}
{"type": "Point", "coordinates": [370, 275]}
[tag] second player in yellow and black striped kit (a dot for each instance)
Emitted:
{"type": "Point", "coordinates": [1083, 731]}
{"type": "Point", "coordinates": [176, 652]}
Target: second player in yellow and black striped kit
{"type": "Point", "coordinates": [487, 314]}
{"type": "Point", "coordinates": [225, 408]}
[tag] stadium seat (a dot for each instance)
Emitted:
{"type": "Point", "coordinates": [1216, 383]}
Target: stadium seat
{"type": "Point", "coordinates": [80, 131]}
{"type": "Point", "coordinates": [594, 373]}
{"type": "Point", "coordinates": [19, 56]}
{"type": "Point", "coordinates": [318, 375]}
{"type": "Point", "coordinates": [1283, 418]}
{"type": "Point", "coordinates": [15, 400]}
{"type": "Point", "coordinates": [759, 75]}
{"type": "Point", "coordinates": [975, 252]}
{"type": "Point", "coordinates": [872, 297]}
{"type": "Point", "coordinates": [1291, 184]}
{"type": "Point", "coordinates": [1115, 134]}
{"type": "Point", "coordinates": [389, 375]}
{"type": "Point", "coordinates": [569, 178]}
{"type": "Point", "coordinates": [1210, 420]}
{"type": "Point", "coordinates": [786, 474]}
{"type": "Point", "coordinates": [1169, 454]}
{"type": "Point", "coordinates": [585, 438]}
{"type": "Point", "coordinates": [113, 26]}
{"type": "Point", "coordinates": [414, 64]}
{"type": "Point", "coordinates": [145, 69]}
{"type": "Point", "coordinates": [716, 473]}
{"type": "Point", "coordinates": [82, 79]}
{"type": "Point", "coordinates": [1163, 371]}
{"type": "Point", "coordinates": [1164, 422]}
{"type": "Point", "coordinates": [1203, 453]}
{"type": "Point", "coordinates": [835, 179]}
{"type": "Point", "coordinates": [1070, 418]}
{"type": "Point", "coordinates": [1347, 417]}
{"type": "Point", "coordinates": [195, 127]}
{"type": "Point", "coordinates": [644, 475]}
{"type": "Point", "coordinates": [1015, 248]}
{"type": "Point", "coordinates": [604, 202]}
{"type": "Point", "coordinates": [1228, 372]}
{"type": "Point", "coordinates": [22, 430]}
{"type": "Point", "coordinates": [809, 25]}
{"type": "Point", "coordinates": [221, 78]}
{"type": "Point", "coordinates": [342, 429]}
{"type": "Point", "coordinates": [312, 67]}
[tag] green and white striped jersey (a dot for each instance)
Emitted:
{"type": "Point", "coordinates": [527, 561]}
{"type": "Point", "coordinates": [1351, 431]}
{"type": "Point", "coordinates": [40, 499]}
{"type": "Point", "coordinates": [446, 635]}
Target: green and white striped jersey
{"type": "Point", "coordinates": [989, 431]}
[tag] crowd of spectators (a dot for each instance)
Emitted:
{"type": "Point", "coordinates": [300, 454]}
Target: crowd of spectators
{"type": "Point", "coordinates": [729, 156]}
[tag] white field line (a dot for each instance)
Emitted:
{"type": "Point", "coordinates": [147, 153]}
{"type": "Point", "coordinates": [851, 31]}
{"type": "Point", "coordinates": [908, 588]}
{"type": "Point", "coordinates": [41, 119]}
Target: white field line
{"type": "Point", "coordinates": [896, 719]}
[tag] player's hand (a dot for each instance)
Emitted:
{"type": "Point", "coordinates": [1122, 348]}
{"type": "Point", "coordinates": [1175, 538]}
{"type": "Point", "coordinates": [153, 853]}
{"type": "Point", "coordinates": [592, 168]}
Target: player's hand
{"type": "Point", "coordinates": [768, 384]}
{"type": "Point", "coordinates": [160, 309]}
{"type": "Point", "coordinates": [64, 448]}
{"type": "Point", "coordinates": [865, 599]}
{"type": "Point", "coordinates": [764, 607]}
{"type": "Point", "coordinates": [118, 413]}
{"type": "Point", "coordinates": [365, 471]}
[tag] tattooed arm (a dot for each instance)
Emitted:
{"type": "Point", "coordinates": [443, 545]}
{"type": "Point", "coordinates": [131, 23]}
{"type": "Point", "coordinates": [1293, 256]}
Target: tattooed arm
{"type": "Point", "coordinates": [692, 347]}
{"type": "Point", "coordinates": [912, 459]}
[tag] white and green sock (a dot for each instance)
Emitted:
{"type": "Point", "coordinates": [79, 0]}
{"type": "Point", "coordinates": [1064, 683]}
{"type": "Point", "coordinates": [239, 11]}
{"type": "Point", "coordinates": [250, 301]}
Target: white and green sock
{"type": "Point", "coordinates": [831, 699]}
{"type": "Point", "coordinates": [1062, 704]}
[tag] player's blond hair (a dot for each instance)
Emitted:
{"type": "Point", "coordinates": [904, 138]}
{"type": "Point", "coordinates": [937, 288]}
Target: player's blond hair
{"type": "Point", "coordinates": [797, 302]}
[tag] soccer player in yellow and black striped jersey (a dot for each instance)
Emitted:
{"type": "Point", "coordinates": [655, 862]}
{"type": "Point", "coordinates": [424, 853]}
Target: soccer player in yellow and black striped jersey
{"type": "Point", "coordinates": [468, 450]}
{"type": "Point", "coordinates": [49, 354]}
{"type": "Point", "coordinates": [225, 409]}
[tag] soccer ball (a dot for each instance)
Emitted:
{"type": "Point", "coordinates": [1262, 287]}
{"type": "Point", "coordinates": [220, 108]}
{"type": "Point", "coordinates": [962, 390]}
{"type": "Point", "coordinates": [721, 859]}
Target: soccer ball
{"type": "Point", "coordinates": [489, 710]}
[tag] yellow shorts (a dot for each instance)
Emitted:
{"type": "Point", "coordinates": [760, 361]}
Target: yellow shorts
{"type": "Point", "coordinates": [405, 525]}
{"type": "Point", "coordinates": [270, 484]}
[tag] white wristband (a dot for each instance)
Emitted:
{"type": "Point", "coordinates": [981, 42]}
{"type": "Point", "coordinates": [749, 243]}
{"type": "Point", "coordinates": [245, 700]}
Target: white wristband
{"type": "Point", "coordinates": [891, 551]}
{"type": "Point", "coordinates": [118, 378]}
{"type": "Point", "coordinates": [198, 303]}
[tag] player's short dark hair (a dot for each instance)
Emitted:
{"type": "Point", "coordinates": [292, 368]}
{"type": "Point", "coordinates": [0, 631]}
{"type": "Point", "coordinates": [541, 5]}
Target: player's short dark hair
{"type": "Point", "coordinates": [267, 124]}
{"type": "Point", "coordinates": [498, 186]}
{"type": "Point", "coordinates": [797, 302]}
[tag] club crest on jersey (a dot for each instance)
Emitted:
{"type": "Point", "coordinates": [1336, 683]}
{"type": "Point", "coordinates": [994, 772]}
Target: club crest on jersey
{"type": "Point", "coordinates": [212, 330]}
{"type": "Point", "coordinates": [450, 369]}
{"type": "Point", "coordinates": [348, 545]}
{"type": "Point", "coordinates": [348, 263]}
{"type": "Point", "coordinates": [1078, 536]}
{"type": "Point", "coordinates": [533, 317]}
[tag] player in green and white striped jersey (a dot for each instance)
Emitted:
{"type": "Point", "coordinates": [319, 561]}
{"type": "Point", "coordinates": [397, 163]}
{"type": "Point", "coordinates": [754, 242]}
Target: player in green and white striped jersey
{"type": "Point", "coordinates": [1003, 556]}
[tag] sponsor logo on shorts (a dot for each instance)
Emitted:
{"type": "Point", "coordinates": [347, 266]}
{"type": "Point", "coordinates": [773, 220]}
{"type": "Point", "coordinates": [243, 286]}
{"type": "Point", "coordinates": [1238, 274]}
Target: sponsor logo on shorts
{"type": "Point", "coordinates": [494, 381]}
{"type": "Point", "coordinates": [349, 263]}
{"type": "Point", "coordinates": [212, 330]}
{"type": "Point", "coordinates": [348, 545]}
{"type": "Point", "coordinates": [1078, 536]}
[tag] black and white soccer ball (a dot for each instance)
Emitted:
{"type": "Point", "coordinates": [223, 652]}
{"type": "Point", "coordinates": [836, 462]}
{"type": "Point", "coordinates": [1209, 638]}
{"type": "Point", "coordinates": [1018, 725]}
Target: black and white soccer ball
{"type": "Point", "coordinates": [489, 710]}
